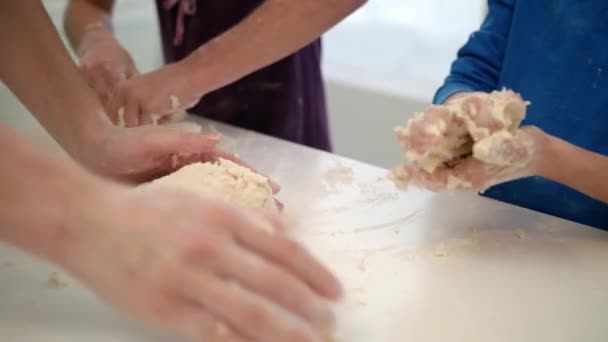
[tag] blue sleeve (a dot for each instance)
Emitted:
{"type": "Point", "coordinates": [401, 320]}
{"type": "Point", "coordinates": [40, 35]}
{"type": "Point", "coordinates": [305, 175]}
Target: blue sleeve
{"type": "Point", "coordinates": [478, 64]}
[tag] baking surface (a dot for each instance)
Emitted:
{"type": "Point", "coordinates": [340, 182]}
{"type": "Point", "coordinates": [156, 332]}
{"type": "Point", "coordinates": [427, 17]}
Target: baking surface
{"type": "Point", "coordinates": [416, 266]}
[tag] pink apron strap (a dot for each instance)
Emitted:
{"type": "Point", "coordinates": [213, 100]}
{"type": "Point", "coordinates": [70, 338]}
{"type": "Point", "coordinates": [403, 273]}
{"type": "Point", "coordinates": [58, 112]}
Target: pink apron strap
{"type": "Point", "coordinates": [185, 7]}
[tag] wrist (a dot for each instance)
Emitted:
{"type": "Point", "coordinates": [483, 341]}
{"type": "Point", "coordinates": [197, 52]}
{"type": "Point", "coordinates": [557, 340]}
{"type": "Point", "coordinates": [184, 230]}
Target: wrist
{"type": "Point", "coordinates": [87, 134]}
{"type": "Point", "coordinates": [548, 150]}
{"type": "Point", "coordinates": [200, 73]}
{"type": "Point", "coordinates": [94, 36]}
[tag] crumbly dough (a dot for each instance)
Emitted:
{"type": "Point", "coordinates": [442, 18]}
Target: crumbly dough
{"type": "Point", "coordinates": [505, 107]}
{"type": "Point", "coordinates": [455, 183]}
{"type": "Point", "coordinates": [223, 180]}
{"type": "Point", "coordinates": [441, 250]}
{"type": "Point", "coordinates": [55, 281]}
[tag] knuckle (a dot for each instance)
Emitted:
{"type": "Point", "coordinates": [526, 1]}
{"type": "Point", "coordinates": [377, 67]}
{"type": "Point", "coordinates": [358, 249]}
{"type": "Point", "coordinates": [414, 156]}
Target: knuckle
{"type": "Point", "coordinates": [254, 317]}
{"type": "Point", "coordinates": [293, 248]}
{"type": "Point", "coordinates": [200, 247]}
{"type": "Point", "coordinates": [163, 309]}
{"type": "Point", "coordinates": [299, 334]}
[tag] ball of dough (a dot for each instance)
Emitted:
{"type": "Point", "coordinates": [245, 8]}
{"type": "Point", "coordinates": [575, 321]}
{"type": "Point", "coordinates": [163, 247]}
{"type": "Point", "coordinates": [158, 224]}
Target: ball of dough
{"type": "Point", "coordinates": [223, 180]}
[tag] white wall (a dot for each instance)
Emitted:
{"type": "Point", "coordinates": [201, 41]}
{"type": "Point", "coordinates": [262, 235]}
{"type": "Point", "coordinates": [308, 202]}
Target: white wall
{"type": "Point", "coordinates": [381, 64]}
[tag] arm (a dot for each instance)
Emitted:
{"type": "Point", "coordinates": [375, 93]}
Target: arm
{"type": "Point", "coordinates": [64, 104]}
{"type": "Point", "coordinates": [100, 232]}
{"type": "Point", "coordinates": [271, 32]}
{"type": "Point", "coordinates": [83, 16]}
{"type": "Point", "coordinates": [103, 61]}
{"type": "Point", "coordinates": [68, 110]}
{"type": "Point", "coordinates": [38, 192]}
{"type": "Point", "coordinates": [274, 30]}
{"type": "Point", "coordinates": [584, 170]}
{"type": "Point", "coordinates": [479, 61]}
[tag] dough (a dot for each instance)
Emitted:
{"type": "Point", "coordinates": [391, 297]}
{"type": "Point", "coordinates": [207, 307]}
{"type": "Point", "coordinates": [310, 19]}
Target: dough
{"type": "Point", "coordinates": [223, 180]}
{"type": "Point", "coordinates": [506, 108]}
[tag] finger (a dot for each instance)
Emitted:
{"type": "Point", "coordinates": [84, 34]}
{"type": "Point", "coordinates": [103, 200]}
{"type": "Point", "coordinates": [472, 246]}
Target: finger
{"type": "Point", "coordinates": [285, 252]}
{"type": "Point", "coordinates": [132, 112]}
{"type": "Point", "coordinates": [280, 206]}
{"type": "Point", "coordinates": [169, 141]}
{"type": "Point", "coordinates": [249, 314]}
{"type": "Point", "coordinates": [275, 219]}
{"type": "Point", "coordinates": [202, 325]}
{"type": "Point", "coordinates": [191, 319]}
{"type": "Point", "coordinates": [267, 279]}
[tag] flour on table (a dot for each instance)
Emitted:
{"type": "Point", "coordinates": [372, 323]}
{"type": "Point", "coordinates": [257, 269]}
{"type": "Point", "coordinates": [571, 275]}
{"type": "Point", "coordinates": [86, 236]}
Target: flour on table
{"type": "Point", "coordinates": [55, 281]}
{"type": "Point", "coordinates": [223, 180]}
{"type": "Point", "coordinates": [339, 175]}
{"type": "Point", "coordinates": [441, 250]}
{"type": "Point", "coordinates": [520, 233]}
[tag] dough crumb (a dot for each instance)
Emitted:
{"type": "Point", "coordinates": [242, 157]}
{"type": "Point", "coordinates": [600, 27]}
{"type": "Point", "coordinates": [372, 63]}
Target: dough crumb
{"type": "Point", "coordinates": [455, 183]}
{"type": "Point", "coordinates": [362, 267]}
{"type": "Point", "coordinates": [400, 177]}
{"type": "Point", "coordinates": [121, 118]}
{"type": "Point", "coordinates": [55, 281]}
{"type": "Point", "coordinates": [339, 175]}
{"type": "Point", "coordinates": [441, 250]}
{"type": "Point", "coordinates": [521, 233]}
{"type": "Point", "coordinates": [223, 180]}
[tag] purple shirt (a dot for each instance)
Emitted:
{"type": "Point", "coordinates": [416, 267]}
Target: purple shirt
{"type": "Point", "coordinates": [285, 99]}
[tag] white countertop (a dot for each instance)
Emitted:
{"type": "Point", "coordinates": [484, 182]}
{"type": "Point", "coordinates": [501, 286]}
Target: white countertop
{"type": "Point", "coordinates": [416, 266]}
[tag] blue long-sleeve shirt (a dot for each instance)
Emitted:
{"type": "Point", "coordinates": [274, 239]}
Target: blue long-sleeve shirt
{"type": "Point", "coordinates": [555, 53]}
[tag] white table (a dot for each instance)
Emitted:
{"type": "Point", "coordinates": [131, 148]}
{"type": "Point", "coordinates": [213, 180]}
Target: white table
{"type": "Point", "coordinates": [416, 266]}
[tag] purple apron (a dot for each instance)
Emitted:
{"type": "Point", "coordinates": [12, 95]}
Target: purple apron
{"type": "Point", "coordinates": [285, 99]}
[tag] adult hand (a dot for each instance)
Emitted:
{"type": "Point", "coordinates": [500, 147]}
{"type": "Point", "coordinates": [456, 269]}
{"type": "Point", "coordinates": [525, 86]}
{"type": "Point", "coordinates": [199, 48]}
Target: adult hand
{"type": "Point", "coordinates": [140, 154]}
{"type": "Point", "coordinates": [104, 63]}
{"type": "Point", "coordinates": [156, 97]}
{"type": "Point", "coordinates": [198, 267]}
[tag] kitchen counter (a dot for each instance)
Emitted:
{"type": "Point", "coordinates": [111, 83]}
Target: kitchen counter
{"type": "Point", "coordinates": [416, 266]}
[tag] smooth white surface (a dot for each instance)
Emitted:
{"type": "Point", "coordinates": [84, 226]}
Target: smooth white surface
{"type": "Point", "coordinates": [491, 286]}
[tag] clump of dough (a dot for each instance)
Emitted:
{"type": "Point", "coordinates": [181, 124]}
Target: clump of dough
{"type": "Point", "coordinates": [55, 281]}
{"type": "Point", "coordinates": [462, 136]}
{"type": "Point", "coordinates": [224, 180]}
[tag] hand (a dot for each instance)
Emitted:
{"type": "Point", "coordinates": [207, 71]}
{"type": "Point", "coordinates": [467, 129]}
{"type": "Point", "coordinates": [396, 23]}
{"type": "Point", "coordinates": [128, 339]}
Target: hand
{"type": "Point", "coordinates": [104, 63]}
{"type": "Point", "coordinates": [469, 144]}
{"type": "Point", "coordinates": [198, 267]}
{"type": "Point", "coordinates": [448, 131]}
{"type": "Point", "coordinates": [496, 159]}
{"type": "Point", "coordinates": [140, 154]}
{"type": "Point", "coordinates": [155, 97]}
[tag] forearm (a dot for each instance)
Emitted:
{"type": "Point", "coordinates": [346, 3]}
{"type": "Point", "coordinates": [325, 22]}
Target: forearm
{"type": "Point", "coordinates": [84, 19]}
{"type": "Point", "coordinates": [271, 32]}
{"type": "Point", "coordinates": [34, 57]}
{"type": "Point", "coordinates": [39, 193]}
{"type": "Point", "coordinates": [575, 167]}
